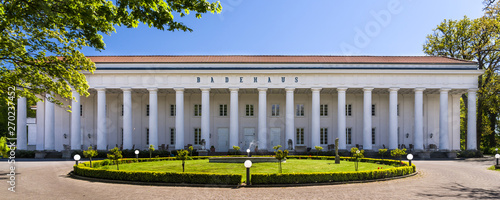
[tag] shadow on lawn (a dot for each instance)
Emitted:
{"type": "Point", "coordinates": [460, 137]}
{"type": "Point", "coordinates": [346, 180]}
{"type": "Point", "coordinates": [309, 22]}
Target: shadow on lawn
{"type": "Point", "coordinates": [459, 191]}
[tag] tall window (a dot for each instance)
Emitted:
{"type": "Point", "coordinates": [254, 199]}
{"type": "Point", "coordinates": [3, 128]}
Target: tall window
{"type": "Point", "coordinates": [122, 136]}
{"type": "Point", "coordinates": [300, 136]}
{"type": "Point", "coordinates": [397, 109]}
{"type": "Point", "coordinates": [122, 110]}
{"type": "Point", "coordinates": [147, 110]}
{"type": "Point", "coordinates": [81, 110]}
{"type": "Point", "coordinates": [172, 136]}
{"type": "Point", "coordinates": [223, 110]}
{"type": "Point", "coordinates": [172, 110]}
{"type": "Point", "coordinates": [348, 110]}
{"type": "Point", "coordinates": [147, 136]}
{"type": "Point", "coordinates": [323, 135]}
{"type": "Point", "coordinates": [300, 110]}
{"type": "Point", "coordinates": [373, 135]}
{"type": "Point", "coordinates": [197, 110]}
{"type": "Point", "coordinates": [323, 110]}
{"type": "Point", "coordinates": [398, 136]}
{"type": "Point", "coordinates": [249, 110]}
{"type": "Point", "coordinates": [197, 135]}
{"type": "Point", "coordinates": [348, 132]}
{"type": "Point", "coordinates": [275, 110]}
{"type": "Point", "coordinates": [373, 109]}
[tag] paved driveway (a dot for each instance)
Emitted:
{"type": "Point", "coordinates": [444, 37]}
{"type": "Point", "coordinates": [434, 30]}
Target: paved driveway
{"type": "Point", "coordinates": [452, 179]}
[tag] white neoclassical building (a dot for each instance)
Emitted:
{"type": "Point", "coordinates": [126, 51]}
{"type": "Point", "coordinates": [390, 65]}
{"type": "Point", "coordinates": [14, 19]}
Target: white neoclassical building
{"type": "Point", "coordinates": [247, 101]}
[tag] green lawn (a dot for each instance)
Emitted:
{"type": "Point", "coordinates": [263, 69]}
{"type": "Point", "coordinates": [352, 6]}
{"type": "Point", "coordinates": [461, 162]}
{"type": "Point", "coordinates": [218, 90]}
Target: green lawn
{"type": "Point", "coordinates": [291, 166]}
{"type": "Point", "coordinates": [493, 168]}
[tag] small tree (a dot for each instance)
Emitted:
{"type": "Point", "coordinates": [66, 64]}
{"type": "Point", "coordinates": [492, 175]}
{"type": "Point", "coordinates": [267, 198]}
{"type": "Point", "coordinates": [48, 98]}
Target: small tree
{"type": "Point", "coordinates": [236, 150]}
{"type": "Point", "coordinates": [398, 153]}
{"type": "Point", "coordinates": [90, 153]}
{"type": "Point", "coordinates": [115, 155]}
{"type": "Point", "coordinates": [280, 155]}
{"type": "Point", "coordinates": [151, 149]}
{"type": "Point", "coordinates": [4, 148]}
{"type": "Point", "coordinates": [182, 155]}
{"type": "Point", "coordinates": [382, 152]}
{"type": "Point", "coordinates": [190, 150]}
{"type": "Point", "coordinates": [318, 149]}
{"type": "Point", "coordinates": [357, 154]}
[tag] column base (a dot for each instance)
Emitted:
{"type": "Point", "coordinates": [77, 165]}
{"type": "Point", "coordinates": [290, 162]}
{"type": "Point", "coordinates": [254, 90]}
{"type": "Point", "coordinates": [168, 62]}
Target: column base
{"type": "Point", "coordinates": [451, 154]}
{"type": "Point", "coordinates": [203, 152]}
{"type": "Point", "coordinates": [40, 155]}
{"type": "Point", "coordinates": [423, 154]}
{"type": "Point", "coordinates": [66, 154]}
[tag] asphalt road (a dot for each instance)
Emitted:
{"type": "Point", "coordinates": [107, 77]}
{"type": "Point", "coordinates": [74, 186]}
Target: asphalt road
{"type": "Point", "coordinates": [449, 179]}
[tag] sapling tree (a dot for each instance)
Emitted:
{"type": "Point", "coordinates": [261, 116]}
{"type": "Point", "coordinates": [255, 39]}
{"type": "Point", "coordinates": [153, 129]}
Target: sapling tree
{"type": "Point", "coordinates": [236, 150]}
{"type": "Point", "coordinates": [182, 155]}
{"type": "Point", "coordinates": [280, 155]}
{"type": "Point", "coordinates": [151, 149]}
{"type": "Point", "coordinates": [90, 153]}
{"type": "Point", "coordinates": [318, 149]}
{"type": "Point", "coordinates": [115, 156]}
{"type": "Point", "coordinates": [398, 153]}
{"type": "Point", "coordinates": [190, 150]}
{"type": "Point", "coordinates": [382, 152]}
{"type": "Point", "coordinates": [357, 154]}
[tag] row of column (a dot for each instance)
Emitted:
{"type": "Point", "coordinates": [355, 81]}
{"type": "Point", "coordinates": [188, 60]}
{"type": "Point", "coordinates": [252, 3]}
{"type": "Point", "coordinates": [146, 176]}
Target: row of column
{"type": "Point", "coordinates": [262, 119]}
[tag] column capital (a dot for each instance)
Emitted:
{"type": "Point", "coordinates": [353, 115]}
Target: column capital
{"type": "Point", "coordinates": [316, 89]}
{"type": "Point", "coordinates": [205, 89]}
{"type": "Point", "coordinates": [367, 89]}
{"type": "Point", "coordinates": [179, 89]}
{"type": "Point", "coordinates": [394, 89]}
{"type": "Point", "coordinates": [100, 89]}
{"type": "Point", "coordinates": [342, 89]}
{"type": "Point", "coordinates": [152, 89]}
{"type": "Point", "coordinates": [289, 89]}
{"type": "Point", "coordinates": [419, 89]}
{"type": "Point", "coordinates": [234, 89]}
{"type": "Point", "coordinates": [262, 89]}
{"type": "Point", "coordinates": [472, 90]}
{"type": "Point", "coordinates": [126, 89]}
{"type": "Point", "coordinates": [444, 90]}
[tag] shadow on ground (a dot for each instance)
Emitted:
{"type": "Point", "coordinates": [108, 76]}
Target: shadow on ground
{"type": "Point", "coordinates": [459, 191]}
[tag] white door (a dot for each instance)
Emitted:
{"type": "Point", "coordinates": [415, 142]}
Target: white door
{"type": "Point", "coordinates": [249, 136]}
{"type": "Point", "coordinates": [222, 140]}
{"type": "Point", "coordinates": [275, 137]}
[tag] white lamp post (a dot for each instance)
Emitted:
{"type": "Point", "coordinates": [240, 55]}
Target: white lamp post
{"type": "Point", "coordinates": [248, 152]}
{"type": "Point", "coordinates": [77, 158]}
{"type": "Point", "coordinates": [137, 154]}
{"type": "Point", "coordinates": [248, 164]}
{"type": "Point", "coordinates": [497, 156]}
{"type": "Point", "coordinates": [409, 157]}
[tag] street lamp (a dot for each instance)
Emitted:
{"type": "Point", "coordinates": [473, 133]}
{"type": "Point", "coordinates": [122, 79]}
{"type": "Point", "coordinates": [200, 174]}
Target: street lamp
{"type": "Point", "coordinates": [248, 152]}
{"type": "Point", "coordinates": [497, 156]}
{"type": "Point", "coordinates": [77, 158]}
{"type": "Point", "coordinates": [136, 154]}
{"type": "Point", "coordinates": [496, 150]}
{"type": "Point", "coordinates": [409, 157]}
{"type": "Point", "coordinates": [248, 164]}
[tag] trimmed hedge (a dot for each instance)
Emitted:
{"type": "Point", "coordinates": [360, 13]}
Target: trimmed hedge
{"type": "Point", "coordinates": [162, 177]}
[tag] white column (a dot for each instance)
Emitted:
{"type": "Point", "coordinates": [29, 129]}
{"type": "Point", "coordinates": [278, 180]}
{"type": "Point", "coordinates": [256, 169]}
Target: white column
{"type": "Point", "coordinates": [205, 116]}
{"type": "Point", "coordinates": [262, 134]}
{"type": "Point", "coordinates": [367, 118]}
{"type": "Point", "coordinates": [40, 125]}
{"type": "Point", "coordinates": [179, 118]}
{"type": "Point", "coordinates": [153, 117]}
{"type": "Point", "coordinates": [471, 120]}
{"type": "Point", "coordinates": [76, 138]}
{"type": "Point", "coordinates": [290, 117]}
{"type": "Point", "coordinates": [233, 118]}
{"type": "Point", "coordinates": [341, 118]}
{"type": "Point", "coordinates": [393, 118]}
{"type": "Point", "coordinates": [102, 130]}
{"type": "Point", "coordinates": [418, 136]}
{"type": "Point", "coordinates": [22, 138]}
{"type": "Point", "coordinates": [443, 119]}
{"type": "Point", "coordinates": [127, 118]}
{"type": "Point", "coordinates": [315, 118]}
{"type": "Point", "coordinates": [49, 125]}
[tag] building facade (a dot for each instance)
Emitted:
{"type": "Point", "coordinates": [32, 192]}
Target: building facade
{"type": "Point", "coordinates": [262, 101]}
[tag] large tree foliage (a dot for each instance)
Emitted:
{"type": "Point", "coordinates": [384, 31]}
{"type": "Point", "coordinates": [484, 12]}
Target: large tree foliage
{"type": "Point", "coordinates": [476, 40]}
{"type": "Point", "coordinates": [40, 40]}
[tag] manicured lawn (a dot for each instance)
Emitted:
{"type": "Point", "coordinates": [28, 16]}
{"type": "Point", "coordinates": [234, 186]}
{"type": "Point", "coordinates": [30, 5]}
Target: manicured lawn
{"type": "Point", "coordinates": [493, 168]}
{"type": "Point", "coordinates": [291, 166]}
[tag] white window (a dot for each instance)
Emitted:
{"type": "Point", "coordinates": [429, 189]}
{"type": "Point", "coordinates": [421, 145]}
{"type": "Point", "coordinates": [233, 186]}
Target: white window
{"type": "Point", "coordinates": [348, 132]}
{"type": "Point", "coordinates": [397, 109]}
{"type": "Point", "coordinates": [172, 110]}
{"type": "Point", "coordinates": [147, 110]}
{"type": "Point", "coordinates": [249, 110]}
{"type": "Point", "coordinates": [81, 110]}
{"type": "Point", "coordinates": [348, 110]}
{"type": "Point", "coordinates": [197, 135]}
{"type": "Point", "coordinates": [197, 110]}
{"type": "Point", "coordinates": [300, 110]}
{"type": "Point", "coordinates": [373, 135]}
{"type": "Point", "coordinates": [147, 136]}
{"type": "Point", "coordinates": [323, 110]}
{"type": "Point", "coordinates": [275, 110]}
{"type": "Point", "coordinates": [172, 136]}
{"type": "Point", "coordinates": [223, 110]}
{"type": "Point", "coordinates": [300, 136]}
{"type": "Point", "coordinates": [373, 109]}
{"type": "Point", "coordinates": [323, 136]}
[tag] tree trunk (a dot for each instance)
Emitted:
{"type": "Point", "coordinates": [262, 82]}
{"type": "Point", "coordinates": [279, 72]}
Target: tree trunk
{"type": "Point", "coordinates": [90, 162]}
{"type": "Point", "coordinates": [182, 165]}
{"type": "Point", "coordinates": [493, 120]}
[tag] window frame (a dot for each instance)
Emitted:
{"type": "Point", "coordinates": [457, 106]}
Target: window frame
{"type": "Point", "coordinates": [222, 110]}
{"type": "Point", "coordinates": [323, 110]}
{"type": "Point", "coordinates": [249, 110]}
{"type": "Point", "coordinates": [348, 138]}
{"type": "Point", "coordinates": [299, 110]}
{"type": "Point", "coordinates": [197, 110]}
{"type": "Point", "coordinates": [275, 110]}
{"type": "Point", "coordinates": [299, 136]}
{"type": "Point", "coordinates": [323, 136]}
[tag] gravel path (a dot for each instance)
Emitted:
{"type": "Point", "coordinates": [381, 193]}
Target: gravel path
{"type": "Point", "coordinates": [454, 179]}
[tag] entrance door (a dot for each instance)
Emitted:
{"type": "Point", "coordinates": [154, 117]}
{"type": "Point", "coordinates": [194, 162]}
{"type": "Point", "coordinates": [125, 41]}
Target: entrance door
{"type": "Point", "coordinates": [249, 138]}
{"type": "Point", "coordinates": [222, 140]}
{"type": "Point", "coordinates": [275, 137]}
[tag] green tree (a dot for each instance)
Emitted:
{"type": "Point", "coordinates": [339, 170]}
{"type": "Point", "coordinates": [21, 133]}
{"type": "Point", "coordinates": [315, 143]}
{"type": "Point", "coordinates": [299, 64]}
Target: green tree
{"type": "Point", "coordinates": [381, 152]}
{"type": "Point", "coordinates": [236, 150]}
{"type": "Point", "coordinates": [475, 40]}
{"type": "Point", "coordinates": [357, 154]}
{"type": "Point", "coordinates": [151, 149]}
{"type": "Point", "coordinates": [190, 148]}
{"type": "Point", "coordinates": [115, 156]}
{"type": "Point", "coordinates": [4, 148]}
{"type": "Point", "coordinates": [41, 40]}
{"type": "Point", "coordinates": [318, 149]}
{"type": "Point", "coordinates": [89, 153]}
{"type": "Point", "coordinates": [398, 153]}
{"type": "Point", "coordinates": [182, 155]}
{"type": "Point", "coordinates": [280, 155]}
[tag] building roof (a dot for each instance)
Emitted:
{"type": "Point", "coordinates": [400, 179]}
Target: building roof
{"type": "Point", "coordinates": [281, 59]}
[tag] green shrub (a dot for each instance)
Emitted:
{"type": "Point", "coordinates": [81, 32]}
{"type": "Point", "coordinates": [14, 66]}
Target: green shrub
{"type": "Point", "coordinates": [25, 154]}
{"type": "Point", "coordinates": [470, 154]}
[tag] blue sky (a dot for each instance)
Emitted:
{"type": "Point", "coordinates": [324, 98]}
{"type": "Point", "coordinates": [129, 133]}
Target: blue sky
{"type": "Point", "coordinates": [291, 27]}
